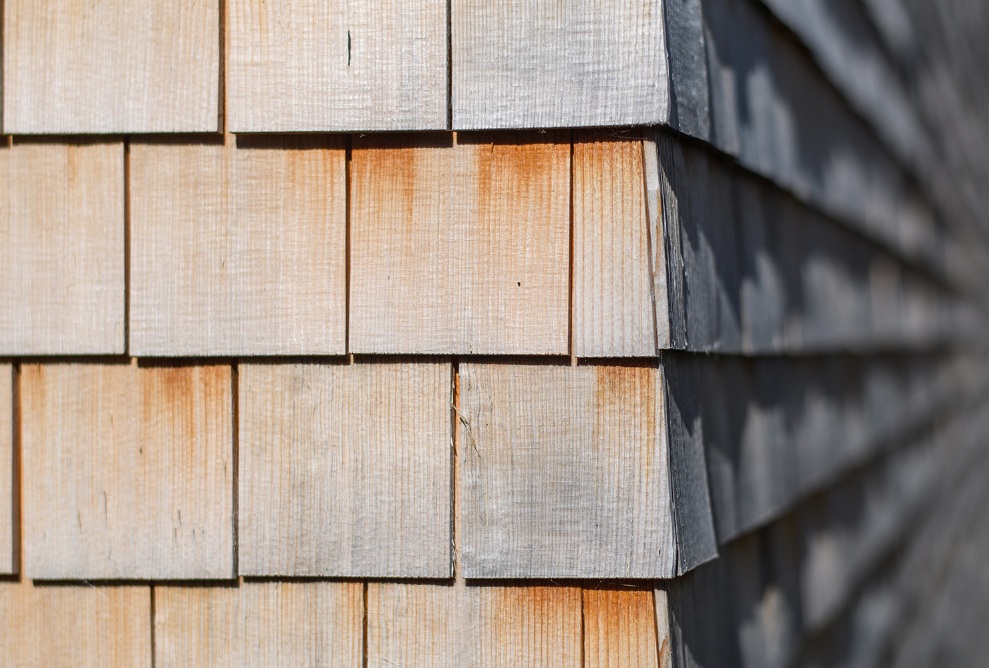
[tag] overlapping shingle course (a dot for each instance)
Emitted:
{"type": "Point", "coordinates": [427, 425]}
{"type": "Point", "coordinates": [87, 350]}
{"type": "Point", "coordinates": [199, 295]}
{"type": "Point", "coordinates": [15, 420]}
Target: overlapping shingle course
{"type": "Point", "coordinates": [390, 352]}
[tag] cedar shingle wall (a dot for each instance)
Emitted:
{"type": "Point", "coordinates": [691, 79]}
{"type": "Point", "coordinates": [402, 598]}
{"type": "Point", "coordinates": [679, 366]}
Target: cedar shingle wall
{"type": "Point", "coordinates": [501, 333]}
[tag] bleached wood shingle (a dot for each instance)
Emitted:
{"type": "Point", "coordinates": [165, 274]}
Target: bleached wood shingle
{"type": "Point", "coordinates": [238, 250]}
{"type": "Point", "coordinates": [62, 249]}
{"type": "Point", "coordinates": [347, 65]}
{"type": "Point", "coordinates": [614, 310]}
{"type": "Point", "coordinates": [113, 66]}
{"type": "Point", "coordinates": [565, 472]}
{"type": "Point", "coordinates": [8, 542]}
{"type": "Point", "coordinates": [619, 628]}
{"type": "Point", "coordinates": [127, 472]}
{"type": "Point", "coordinates": [487, 627]}
{"type": "Point", "coordinates": [537, 64]}
{"type": "Point", "coordinates": [259, 624]}
{"type": "Point", "coordinates": [345, 470]}
{"type": "Point", "coordinates": [75, 625]}
{"type": "Point", "coordinates": [460, 248]}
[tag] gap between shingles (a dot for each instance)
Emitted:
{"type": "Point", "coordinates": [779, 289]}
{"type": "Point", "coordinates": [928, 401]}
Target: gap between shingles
{"type": "Point", "coordinates": [221, 95]}
{"type": "Point", "coordinates": [348, 153]}
{"type": "Point", "coordinates": [127, 243]}
{"type": "Point", "coordinates": [235, 474]}
{"type": "Point", "coordinates": [17, 558]}
{"type": "Point", "coordinates": [583, 630]}
{"type": "Point", "coordinates": [154, 640]}
{"type": "Point", "coordinates": [449, 65]}
{"type": "Point", "coordinates": [364, 642]}
{"type": "Point", "coordinates": [456, 567]}
{"type": "Point", "coordinates": [570, 286]}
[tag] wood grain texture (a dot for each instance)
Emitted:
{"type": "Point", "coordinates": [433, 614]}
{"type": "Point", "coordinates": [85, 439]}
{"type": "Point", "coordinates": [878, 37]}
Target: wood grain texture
{"type": "Point", "coordinates": [777, 429]}
{"type": "Point", "coordinates": [849, 51]}
{"type": "Point", "coordinates": [537, 64]}
{"type": "Point", "coordinates": [657, 240]}
{"type": "Point", "coordinates": [239, 250]}
{"type": "Point", "coordinates": [259, 624]}
{"type": "Point", "coordinates": [619, 628]}
{"type": "Point", "coordinates": [613, 305]}
{"type": "Point", "coordinates": [661, 600]}
{"type": "Point", "coordinates": [116, 66]}
{"type": "Point", "coordinates": [565, 473]}
{"type": "Point", "coordinates": [127, 472]}
{"type": "Point", "coordinates": [691, 495]}
{"type": "Point", "coordinates": [62, 249]}
{"type": "Point", "coordinates": [74, 625]}
{"type": "Point", "coordinates": [487, 627]}
{"type": "Point", "coordinates": [348, 65]}
{"type": "Point", "coordinates": [690, 111]}
{"type": "Point", "coordinates": [345, 470]}
{"type": "Point", "coordinates": [460, 248]}
{"type": "Point", "coordinates": [8, 542]}
{"type": "Point", "coordinates": [772, 595]}
{"type": "Point", "coordinates": [752, 269]}
{"type": "Point", "coordinates": [772, 108]}
{"type": "Point", "coordinates": [701, 254]}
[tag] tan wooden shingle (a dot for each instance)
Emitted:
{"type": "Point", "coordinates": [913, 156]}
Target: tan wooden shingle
{"type": "Point", "coordinates": [619, 628]}
{"type": "Point", "coordinates": [76, 625]}
{"type": "Point", "coordinates": [113, 66]}
{"type": "Point", "coordinates": [8, 542]}
{"type": "Point", "coordinates": [614, 311]}
{"type": "Point", "coordinates": [346, 65]}
{"type": "Point", "coordinates": [663, 635]}
{"type": "Point", "coordinates": [62, 249]}
{"type": "Point", "coordinates": [239, 250]}
{"type": "Point", "coordinates": [260, 624]}
{"type": "Point", "coordinates": [345, 470]}
{"type": "Point", "coordinates": [462, 247]}
{"type": "Point", "coordinates": [565, 472]}
{"type": "Point", "coordinates": [538, 64]}
{"type": "Point", "coordinates": [127, 471]}
{"type": "Point", "coordinates": [487, 627]}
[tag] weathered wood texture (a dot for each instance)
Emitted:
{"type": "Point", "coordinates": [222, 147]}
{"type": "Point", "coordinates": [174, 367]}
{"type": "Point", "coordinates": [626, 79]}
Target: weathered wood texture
{"type": "Point", "coordinates": [700, 244]}
{"type": "Point", "coordinates": [8, 524]}
{"type": "Point", "coordinates": [776, 429]}
{"type": "Point", "coordinates": [62, 249]}
{"type": "Point", "coordinates": [752, 270]}
{"type": "Point", "coordinates": [127, 472]}
{"type": "Point", "coordinates": [487, 627]}
{"type": "Point", "coordinates": [345, 470]}
{"type": "Point", "coordinates": [938, 619]}
{"type": "Point", "coordinates": [848, 49]}
{"type": "Point", "coordinates": [352, 65]}
{"type": "Point", "coordinates": [534, 64]}
{"type": "Point", "coordinates": [565, 473]}
{"type": "Point", "coordinates": [619, 628]}
{"type": "Point", "coordinates": [115, 66]}
{"type": "Point", "coordinates": [790, 581]}
{"type": "Point", "coordinates": [460, 248]}
{"type": "Point", "coordinates": [238, 250]}
{"type": "Point", "coordinates": [613, 305]}
{"type": "Point", "coordinates": [690, 103]}
{"type": "Point", "coordinates": [772, 109]}
{"type": "Point", "coordinates": [78, 625]}
{"type": "Point", "coordinates": [657, 239]}
{"type": "Point", "coordinates": [259, 624]}
{"type": "Point", "coordinates": [662, 611]}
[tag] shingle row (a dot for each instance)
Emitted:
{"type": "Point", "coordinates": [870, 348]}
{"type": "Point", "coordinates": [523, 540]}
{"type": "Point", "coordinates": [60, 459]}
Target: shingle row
{"type": "Point", "coordinates": [433, 244]}
{"type": "Point", "coordinates": [341, 624]}
{"type": "Point", "coordinates": [401, 469]}
{"type": "Point", "coordinates": [141, 66]}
